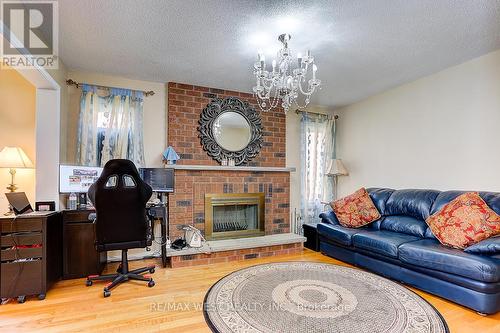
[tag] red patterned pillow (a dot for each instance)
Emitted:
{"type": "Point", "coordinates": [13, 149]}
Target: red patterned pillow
{"type": "Point", "coordinates": [355, 210]}
{"type": "Point", "coordinates": [464, 221]}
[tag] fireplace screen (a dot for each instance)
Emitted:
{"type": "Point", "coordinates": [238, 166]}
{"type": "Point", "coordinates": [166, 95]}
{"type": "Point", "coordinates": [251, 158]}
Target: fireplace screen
{"type": "Point", "coordinates": [234, 215]}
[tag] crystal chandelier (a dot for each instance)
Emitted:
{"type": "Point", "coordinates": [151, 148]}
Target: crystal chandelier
{"type": "Point", "coordinates": [286, 81]}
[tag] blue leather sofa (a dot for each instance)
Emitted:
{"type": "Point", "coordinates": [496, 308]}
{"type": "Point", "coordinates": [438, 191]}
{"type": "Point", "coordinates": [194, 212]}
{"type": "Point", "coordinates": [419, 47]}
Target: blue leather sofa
{"type": "Point", "coordinates": [401, 246]}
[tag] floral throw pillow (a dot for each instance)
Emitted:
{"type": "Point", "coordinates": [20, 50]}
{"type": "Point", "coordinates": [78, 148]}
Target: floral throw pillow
{"type": "Point", "coordinates": [464, 221]}
{"type": "Point", "coordinates": [355, 210]}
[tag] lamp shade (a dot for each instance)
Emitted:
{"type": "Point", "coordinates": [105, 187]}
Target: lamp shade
{"type": "Point", "coordinates": [336, 168]}
{"type": "Point", "coordinates": [170, 155]}
{"type": "Point", "coordinates": [14, 157]}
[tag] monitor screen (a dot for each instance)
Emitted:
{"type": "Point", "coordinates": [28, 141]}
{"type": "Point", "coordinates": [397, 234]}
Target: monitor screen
{"type": "Point", "coordinates": [160, 179]}
{"type": "Point", "coordinates": [77, 179]}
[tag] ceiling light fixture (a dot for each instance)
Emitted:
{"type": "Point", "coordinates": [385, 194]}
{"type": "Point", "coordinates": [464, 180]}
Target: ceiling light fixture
{"type": "Point", "coordinates": [285, 81]}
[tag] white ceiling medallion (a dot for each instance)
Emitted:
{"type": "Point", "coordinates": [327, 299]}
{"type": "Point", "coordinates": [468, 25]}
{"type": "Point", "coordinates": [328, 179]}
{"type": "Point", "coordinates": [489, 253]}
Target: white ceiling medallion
{"type": "Point", "coordinates": [286, 81]}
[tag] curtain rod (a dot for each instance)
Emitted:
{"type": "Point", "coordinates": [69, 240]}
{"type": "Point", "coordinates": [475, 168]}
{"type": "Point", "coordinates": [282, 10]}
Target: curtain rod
{"type": "Point", "coordinates": [336, 116]}
{"type": "Point", "coordinates": [71, 82]}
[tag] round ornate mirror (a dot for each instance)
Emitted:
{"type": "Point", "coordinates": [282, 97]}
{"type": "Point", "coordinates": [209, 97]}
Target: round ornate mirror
{"type": "Point", "coordinates": [231, 131]}
{"type": "Point", "coordinates": [230, 128]}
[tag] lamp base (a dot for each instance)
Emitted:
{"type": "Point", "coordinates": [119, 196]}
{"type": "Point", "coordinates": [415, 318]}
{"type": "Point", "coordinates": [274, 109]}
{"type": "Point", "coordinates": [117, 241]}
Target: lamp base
{"type": "Point", "coordinates": [12, 187]}
{"type": "Point", "coordinates": [9, 212]}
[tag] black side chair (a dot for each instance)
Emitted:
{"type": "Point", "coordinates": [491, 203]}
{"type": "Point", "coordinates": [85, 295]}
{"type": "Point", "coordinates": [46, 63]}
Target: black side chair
{"type": "Point", "coordinates": [119, 197]}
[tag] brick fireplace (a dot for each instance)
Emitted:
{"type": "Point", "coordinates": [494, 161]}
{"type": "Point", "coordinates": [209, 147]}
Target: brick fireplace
{"type": "Point", "coordinates": [198, 175]}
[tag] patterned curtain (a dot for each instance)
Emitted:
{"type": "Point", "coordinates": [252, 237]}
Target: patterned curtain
{"type": "Point", "coordinates": [110, 126]}
{"type": "Point", "coordinates": [317, 148]}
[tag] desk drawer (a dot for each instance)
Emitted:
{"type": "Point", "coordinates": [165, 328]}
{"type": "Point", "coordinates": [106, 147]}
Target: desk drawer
{"type": "Point", "coordinates": [21, 278]}
{"type": "Point", "coordinates": [78, 216]}
{"type": "Point", "coordinates": [22, 224]}
{"type": "Point", "coordinates": [24, 253]}
{"type": "Point", "coordinates": [21, 239]}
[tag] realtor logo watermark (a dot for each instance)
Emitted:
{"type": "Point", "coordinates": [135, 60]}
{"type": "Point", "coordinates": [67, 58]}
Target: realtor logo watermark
{"type": "Point", "coordinates": [30, 34]}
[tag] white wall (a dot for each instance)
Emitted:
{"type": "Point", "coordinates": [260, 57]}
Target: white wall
{"type": "Point", "coordinates": [155, 122]}
{"type": "Point", "coordinates": [17, 129]}
{"type": "Point", "coordinates": [439, 132]}
{"type": "Point", "coordinates": [47, 145]}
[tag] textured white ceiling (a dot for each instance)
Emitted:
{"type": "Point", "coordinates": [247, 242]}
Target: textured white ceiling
{"type": "Point", "coordinates": [361, 47]}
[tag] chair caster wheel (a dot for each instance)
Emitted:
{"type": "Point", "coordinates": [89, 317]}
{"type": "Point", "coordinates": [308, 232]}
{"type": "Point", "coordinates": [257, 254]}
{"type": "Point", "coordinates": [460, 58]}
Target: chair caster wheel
{"type": "Point", "coordinates": [151, 283]}
{"type": "Point", "coordinates": [21, 299]}
{"type": "Point", "coordinates": [107, 293]}
{"type": "Point", "coordinates": [41, 297]}
{"type": "Point", "coordinates": [119, 269]}
{"type": "Point", "coordinates": [88, 283]}
{"type": "Point", "coordinates": [152, 270]}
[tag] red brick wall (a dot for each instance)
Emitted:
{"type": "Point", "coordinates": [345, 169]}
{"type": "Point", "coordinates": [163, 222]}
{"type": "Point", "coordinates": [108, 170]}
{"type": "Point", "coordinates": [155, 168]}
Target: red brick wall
{"type": "Point", "coordinates": [185, 103]}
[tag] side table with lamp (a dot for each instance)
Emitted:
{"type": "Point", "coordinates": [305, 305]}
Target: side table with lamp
{"type": "Point", "coordinates": [31, 244]}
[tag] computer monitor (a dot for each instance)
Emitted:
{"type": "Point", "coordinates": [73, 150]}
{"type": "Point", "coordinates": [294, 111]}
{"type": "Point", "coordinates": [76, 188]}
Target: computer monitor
{"type": "Point", "coordinates": [77, 179]}
{"type": "Point", "coordinates": [160, 179]}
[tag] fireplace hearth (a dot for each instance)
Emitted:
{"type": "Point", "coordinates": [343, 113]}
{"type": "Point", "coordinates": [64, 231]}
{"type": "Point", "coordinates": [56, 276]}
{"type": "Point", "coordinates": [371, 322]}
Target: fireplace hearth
{"type": "Point", "coordinates": [234, 215]}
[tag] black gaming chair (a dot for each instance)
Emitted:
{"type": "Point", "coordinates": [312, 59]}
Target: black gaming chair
{"type": "Point", "coordinates": [119, 197]}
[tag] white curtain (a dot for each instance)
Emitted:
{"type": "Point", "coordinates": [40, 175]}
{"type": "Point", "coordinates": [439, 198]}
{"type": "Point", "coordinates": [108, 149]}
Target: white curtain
{"type": "Point", "coordinates": [110, 126]}
{"type": "Point", "coordinates": [317, 148]}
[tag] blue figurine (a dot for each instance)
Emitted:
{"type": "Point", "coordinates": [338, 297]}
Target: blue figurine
{"type": "Point", "coordinates": [170, 155]}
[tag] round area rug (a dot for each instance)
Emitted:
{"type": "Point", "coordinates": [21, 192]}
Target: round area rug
{"type": "Point", "coordinates": [314, 297]}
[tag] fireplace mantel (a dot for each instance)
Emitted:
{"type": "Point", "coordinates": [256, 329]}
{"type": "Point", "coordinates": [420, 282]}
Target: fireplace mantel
{"type": "Point", "coordinates": [230, 168]}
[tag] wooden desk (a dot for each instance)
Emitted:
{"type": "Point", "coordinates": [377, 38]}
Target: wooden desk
{"type": "Point", "coordinates": [31, 254]}
{"type": "Point", "coordinates": [80, 257]}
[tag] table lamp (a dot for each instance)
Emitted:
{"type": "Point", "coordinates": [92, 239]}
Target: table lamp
{"type": "Point", "coordinates": [336, 168]}
{"type": "Point", "coordinates": [14, 158]}
{"type": "Point", "coordinates": [170, 155]}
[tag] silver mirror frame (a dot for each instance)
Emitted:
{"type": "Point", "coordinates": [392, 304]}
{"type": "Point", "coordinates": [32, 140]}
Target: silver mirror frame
{"type": "Point", "coordinates": [231, 104]}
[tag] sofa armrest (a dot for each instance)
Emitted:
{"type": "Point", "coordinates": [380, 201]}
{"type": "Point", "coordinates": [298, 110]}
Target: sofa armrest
{"type": "Point", "coordinates": [329, 217]}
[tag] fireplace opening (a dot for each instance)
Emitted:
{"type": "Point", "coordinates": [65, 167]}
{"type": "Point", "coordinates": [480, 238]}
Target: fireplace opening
{"type": "Point", "coordinates": [234, 215]}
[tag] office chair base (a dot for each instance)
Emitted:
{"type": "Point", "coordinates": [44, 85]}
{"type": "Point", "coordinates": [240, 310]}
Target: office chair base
{"type": "Point", "coordinates": [122, 275]}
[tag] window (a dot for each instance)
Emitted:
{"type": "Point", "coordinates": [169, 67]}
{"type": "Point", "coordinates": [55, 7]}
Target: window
{"type": "Point", "coordinates": [110, 126]}
{"type": "Point", "coordinates": [317, 137]}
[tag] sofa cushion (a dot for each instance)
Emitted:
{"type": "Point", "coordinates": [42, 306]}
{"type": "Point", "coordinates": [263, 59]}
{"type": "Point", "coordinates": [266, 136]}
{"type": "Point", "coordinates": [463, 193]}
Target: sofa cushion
{"type": "Point", "coordinates": [404, 224]}
{"type": "Point", "coordinates": [487, 246]}
{"type": "Point", "coordinates": [355, 210]}
{"type": "Point", "coordinates": [492, 199]}
{"type": "Point", "coordinates": [431, 254]}
{"type": "Point", "coordinates": [464, 221]}
{"type": "Point", "coordinates": [383, 242]}
{"type": "Point", "coordinates": [338, 233]}
{"type": "Point", "coordinates": [415, 203]}
{"type": "Point", "coordinates": [379, 197]}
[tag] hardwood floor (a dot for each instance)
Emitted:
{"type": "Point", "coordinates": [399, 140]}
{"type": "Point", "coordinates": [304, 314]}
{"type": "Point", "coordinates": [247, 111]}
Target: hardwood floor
{"type": "Point", "coordinates": [71, 306]}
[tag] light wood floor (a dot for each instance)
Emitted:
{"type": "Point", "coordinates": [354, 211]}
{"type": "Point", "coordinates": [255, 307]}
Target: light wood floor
{"type": "Point", "coordinates": [70, 306]}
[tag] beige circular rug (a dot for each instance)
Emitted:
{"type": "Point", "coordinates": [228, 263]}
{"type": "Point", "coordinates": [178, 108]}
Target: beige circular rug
{"type": "Point", "coordinates": [314, 297]}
